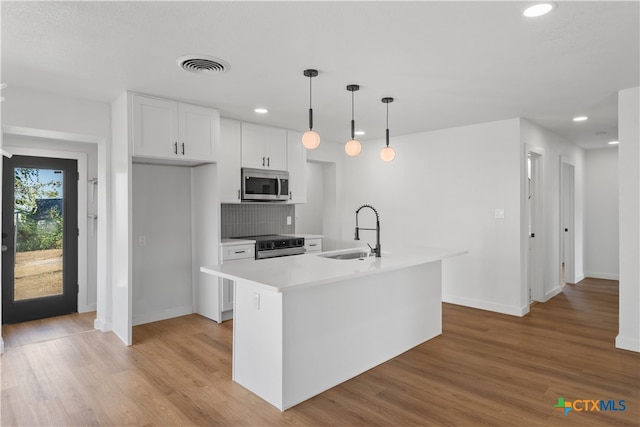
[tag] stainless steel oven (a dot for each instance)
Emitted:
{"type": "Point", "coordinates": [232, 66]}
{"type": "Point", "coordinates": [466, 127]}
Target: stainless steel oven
{"type": "Point", "coordinates": [271, 246]}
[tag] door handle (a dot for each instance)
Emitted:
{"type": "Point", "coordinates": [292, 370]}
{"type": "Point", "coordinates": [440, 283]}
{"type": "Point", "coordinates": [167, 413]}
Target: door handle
{"type": "Point", "coordinates": [5, 248]}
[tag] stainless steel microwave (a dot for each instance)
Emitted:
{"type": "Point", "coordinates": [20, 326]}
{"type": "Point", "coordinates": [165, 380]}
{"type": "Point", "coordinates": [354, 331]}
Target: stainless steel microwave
{"type": "Point", "coordinates": [265, 185]}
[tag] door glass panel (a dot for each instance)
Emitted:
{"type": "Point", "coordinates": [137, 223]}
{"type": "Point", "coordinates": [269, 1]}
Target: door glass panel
{"type": "Point", "coordinates": [38, 222]}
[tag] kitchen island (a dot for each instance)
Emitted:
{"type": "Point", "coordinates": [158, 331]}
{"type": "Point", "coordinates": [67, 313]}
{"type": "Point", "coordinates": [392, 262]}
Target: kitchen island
{"type": "Point", "coordinates": [303, 324]}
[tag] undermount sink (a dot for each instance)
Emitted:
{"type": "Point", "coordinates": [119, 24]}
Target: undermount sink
{"type": "Point", "coordinates": [349, 255]}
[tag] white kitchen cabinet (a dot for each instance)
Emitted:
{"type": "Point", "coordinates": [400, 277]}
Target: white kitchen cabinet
{"type": "Point", "coordinates": [313, 245]}
{"type": "Point", "coordinates": [232, 253]}
{"type": "Point", "coordinates": [229, 160]}
{"type": "Point", "coordinates": [297, 162]}
{"type": "Point", "coordinates": [264, 147]}
{"type": "Point", "coordinates": [166, 130]}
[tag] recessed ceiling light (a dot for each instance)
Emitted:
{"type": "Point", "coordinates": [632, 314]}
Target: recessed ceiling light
{"type": "Point", "coordinates": [359, 132]}
{"type": "Point", "coordinates": [580, 118]}
{"type": "Point", "coordinates": [613, 142]}
{"type": "Point", "coordinates": [261, 110]}
{"type": "Point", "coordinates": [538, 10]}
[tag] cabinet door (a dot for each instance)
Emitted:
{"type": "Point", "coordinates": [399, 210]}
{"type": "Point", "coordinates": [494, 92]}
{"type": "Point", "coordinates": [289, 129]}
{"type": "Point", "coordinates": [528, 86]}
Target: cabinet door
{"type": "Point", "coordinates": [229, 161]}
{"type": "Point", "coordinates": [199, 127]}
{"type": "Point", "coordinates": [264, 147]}
{"type": "Point", "coordinates": [297, 163]}
{"type": "Point", "coordinates": [155, 127]}
{"type": "Point", "coordinates": [275, 148]}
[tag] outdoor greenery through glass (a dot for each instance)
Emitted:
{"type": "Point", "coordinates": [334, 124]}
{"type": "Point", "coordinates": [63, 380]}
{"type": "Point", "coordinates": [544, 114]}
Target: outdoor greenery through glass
{"type": "Point", "coordinates": [38, 220]}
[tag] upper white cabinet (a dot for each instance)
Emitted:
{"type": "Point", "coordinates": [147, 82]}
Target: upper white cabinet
{"type": "Point", "coordinates": [229, 160]}
{"type": "Point", "coordinates": [297, 161]}
{"type": "Point", "coordinates": [173, 131]}
{"type": "Point", "coordinates": [264, 147]}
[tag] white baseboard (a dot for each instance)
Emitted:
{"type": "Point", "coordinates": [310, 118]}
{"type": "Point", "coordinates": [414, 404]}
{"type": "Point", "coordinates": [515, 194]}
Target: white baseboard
{"type": "Point", "coordinates": [606, 276]}
{"type": "Point", "coordinates": [552, 293]}
{"type": "Point", "coordinates": [625, 343]}
{"type": "Point", "coordinates": [142, 318]}
{"type": "Point", "coordinates": [86, 308]}
{"type": "Point", "coordinates": [486, 305]}
{"type": "Point", "coordinates": [101, 325]}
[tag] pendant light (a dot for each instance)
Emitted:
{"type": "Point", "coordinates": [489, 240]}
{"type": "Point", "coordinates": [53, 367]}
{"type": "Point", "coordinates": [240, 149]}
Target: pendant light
{"type": "Point", "coordinates": [353, 146]}
{"type": "Point", "coordinates": [387, 153]}
{"type": "Point", "coordinates": [311, 138]}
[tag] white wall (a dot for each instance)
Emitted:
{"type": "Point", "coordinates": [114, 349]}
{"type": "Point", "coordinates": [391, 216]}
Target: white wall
{"type": "Point", "coordinates": [629, 191]}
{"type": "Point", "coordinates": [32, 109]}
{"type": "Point", "coordinates": [556, 148]}
{"type": "Point", "coordinates": [331, 155]}
{"type": "Point", "coordinates": [41, 114]}
{"type": "Point", "coordinates": [601, 214]}
{"type": "Point", "coordinates": [442, 191]}
{"type": "Point", "coordinates": [161, 216]}
{"type": "Point", "coordinates": [118, 310]}
{"type": "Point", "coordinates": [309, 215]}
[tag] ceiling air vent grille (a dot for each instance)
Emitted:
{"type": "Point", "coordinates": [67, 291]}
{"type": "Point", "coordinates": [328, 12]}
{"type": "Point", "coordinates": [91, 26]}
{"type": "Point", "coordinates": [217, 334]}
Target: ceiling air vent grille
{"type": "Point", "coordinates": [202, 64]}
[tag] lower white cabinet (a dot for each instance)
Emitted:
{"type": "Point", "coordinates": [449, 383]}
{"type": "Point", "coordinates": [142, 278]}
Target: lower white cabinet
{"type": "Point", "coordinates": [231, 253]}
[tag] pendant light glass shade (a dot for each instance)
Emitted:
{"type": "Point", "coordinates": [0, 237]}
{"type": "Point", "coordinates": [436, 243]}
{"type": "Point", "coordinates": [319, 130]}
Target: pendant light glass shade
{"type": "Point", "coordinates": [311, 138]}
{"type": "Point", "coordinates": [387, 153]}
{"type": "Point", "coordinates": [353, 146]}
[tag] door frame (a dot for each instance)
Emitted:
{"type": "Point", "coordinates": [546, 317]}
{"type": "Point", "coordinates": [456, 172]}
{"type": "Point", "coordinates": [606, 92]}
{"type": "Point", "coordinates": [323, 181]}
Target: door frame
{"type": "Point", "coordinates": [534, 267]}
{"type": "Point", "coordinates": [83, 183]}
{"type": "Point", "coordinates": [567, 212]}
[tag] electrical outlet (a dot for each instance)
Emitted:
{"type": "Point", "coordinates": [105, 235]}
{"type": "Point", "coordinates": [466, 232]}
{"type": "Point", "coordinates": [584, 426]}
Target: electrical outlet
{"type": "Point", "coordinates": [288, 220]}
{"type": "Point", "coordinates": [499, 213]}
{"type": "Point", "coordinates": [142, 241]}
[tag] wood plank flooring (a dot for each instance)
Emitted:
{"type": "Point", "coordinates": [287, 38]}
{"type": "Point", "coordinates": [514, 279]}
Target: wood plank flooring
{"type": "Point", "coordinates": [486, 369]}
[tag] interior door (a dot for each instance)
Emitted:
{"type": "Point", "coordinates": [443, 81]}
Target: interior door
{"type": "Point", "coordinates": [39, 238]}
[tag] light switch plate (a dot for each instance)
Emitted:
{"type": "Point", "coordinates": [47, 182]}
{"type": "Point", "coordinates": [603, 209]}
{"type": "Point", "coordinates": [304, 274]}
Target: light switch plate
{"type": "Point", "coordinates": [289, 220]}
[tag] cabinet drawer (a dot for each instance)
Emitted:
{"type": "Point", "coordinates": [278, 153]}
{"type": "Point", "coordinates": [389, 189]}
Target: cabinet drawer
{"type": "Point", "coordinates": [238, 252]}
{"type": "Point", "coordinates": [313, 245]}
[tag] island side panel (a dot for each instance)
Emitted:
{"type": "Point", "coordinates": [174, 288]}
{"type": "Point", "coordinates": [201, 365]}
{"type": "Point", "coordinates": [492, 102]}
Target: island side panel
{"type": "Point", "coordinates": [336, 331]}
{"type": "Point", "coordinates": [257, 341]}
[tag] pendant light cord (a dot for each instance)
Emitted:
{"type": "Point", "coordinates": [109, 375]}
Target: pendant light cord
{"type": "Point", "coordinates": [310, 109]}
{"type": "Point", "coordinates": [353, 122]}
{"type": "Point", "coordinates": [387, 133]}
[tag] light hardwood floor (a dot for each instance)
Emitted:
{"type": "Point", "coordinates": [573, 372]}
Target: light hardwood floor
{"type": "Point", "coordinates": [486, 369]}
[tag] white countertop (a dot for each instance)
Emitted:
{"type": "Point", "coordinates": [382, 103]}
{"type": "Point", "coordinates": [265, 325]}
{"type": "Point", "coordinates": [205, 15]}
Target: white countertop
{"type": "Point", "coordinates": [231, 242]}
{"type": "Point", "coordinates": [312, 269]}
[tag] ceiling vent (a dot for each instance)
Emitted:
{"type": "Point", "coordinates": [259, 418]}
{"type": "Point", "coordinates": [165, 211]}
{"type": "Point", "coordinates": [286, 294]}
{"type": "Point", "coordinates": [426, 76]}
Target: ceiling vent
{"type": "Point", "coordinates": [202, 64]}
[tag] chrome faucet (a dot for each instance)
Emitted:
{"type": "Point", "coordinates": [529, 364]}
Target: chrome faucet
{"type": "Point", "coordinates": [377, 249]}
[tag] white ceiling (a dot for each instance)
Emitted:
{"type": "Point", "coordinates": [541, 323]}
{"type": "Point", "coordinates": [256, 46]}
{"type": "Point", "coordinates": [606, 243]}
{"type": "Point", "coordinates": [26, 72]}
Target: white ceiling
{"type": "Point", "coordinates": [446, 63]}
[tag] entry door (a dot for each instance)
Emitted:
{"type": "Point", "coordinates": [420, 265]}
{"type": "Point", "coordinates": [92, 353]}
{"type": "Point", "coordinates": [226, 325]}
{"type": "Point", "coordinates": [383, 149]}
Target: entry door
{"type": "Point", "coordinates": [39, 238]}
